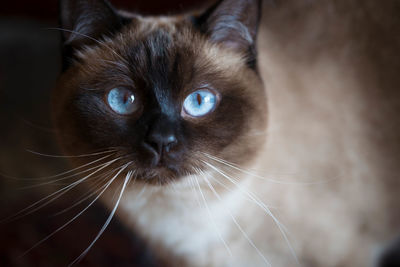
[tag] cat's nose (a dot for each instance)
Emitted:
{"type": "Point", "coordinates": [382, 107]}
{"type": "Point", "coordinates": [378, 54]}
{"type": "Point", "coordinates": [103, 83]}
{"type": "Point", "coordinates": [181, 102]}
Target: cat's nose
{"type": "Point", "coordinates": [162, 141]}
{"type": "Point", "coordinates": [161, 138]}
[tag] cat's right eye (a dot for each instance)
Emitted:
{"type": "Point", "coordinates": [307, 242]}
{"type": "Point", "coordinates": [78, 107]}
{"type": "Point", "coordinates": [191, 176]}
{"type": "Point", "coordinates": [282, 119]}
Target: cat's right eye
{"type": "Point", "coordinates": [122, 101]}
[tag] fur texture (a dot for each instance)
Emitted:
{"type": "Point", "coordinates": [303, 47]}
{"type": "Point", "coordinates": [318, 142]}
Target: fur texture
{"type": "Point", "coordinates": [326, 164]}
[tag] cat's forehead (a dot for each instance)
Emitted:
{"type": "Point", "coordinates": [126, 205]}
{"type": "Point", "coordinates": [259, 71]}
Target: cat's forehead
{"type": "Point", "coordinates": [162, 38]}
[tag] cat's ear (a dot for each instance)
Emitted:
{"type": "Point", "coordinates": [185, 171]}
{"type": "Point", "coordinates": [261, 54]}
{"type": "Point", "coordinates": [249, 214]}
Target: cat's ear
{"type": "Point", "coordinates": [233, 23]}
{"type": "Point", "coordinates": [85, 21]}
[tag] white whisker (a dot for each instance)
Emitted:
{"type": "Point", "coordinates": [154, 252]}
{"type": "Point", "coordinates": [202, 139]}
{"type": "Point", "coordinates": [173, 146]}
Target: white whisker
{"type": "Point", "coordinates": [68, 177]}
{"type": "Point", "coordinates": [100, 43]}
{"type": "Point", "coordinates": [238, 225]}
{"type": "Point", "coordinates": [141, 192]}
{"type": "Point", "coordinates": [76, 156]}
{"type": "Point", "coordinates": [90, 194]}
{"type": "Point", "coordinates": [56, 195]}
{"type": "Point", "coordinates": [127, 178]}
{"type": "Point", "coordinates": [115, 63]}
{"type": "Point", "coordinates": [76, 216]}
{"type": "Point", "coordinates": [37, 126]}
{"type": "Point", "coordinates": [238, 168]}
{"type": "Point", "coordinates": [134, 180]}
{"type": "Point", "coordinates": [193, 186]}
{"type": "Point", "coordinates": [259, 203]}
{"type": "Point", "coordinates": [212, 218]}
{"type": "Point", "coordinates": [245, 197]}
{"type": "Point", "coordinates": [60, 174]}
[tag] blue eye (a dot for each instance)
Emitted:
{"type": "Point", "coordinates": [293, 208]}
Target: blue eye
{"type": "Point", "coordinates": [122, 101]}
{"type": "Point", "coordinates": [200, 103]}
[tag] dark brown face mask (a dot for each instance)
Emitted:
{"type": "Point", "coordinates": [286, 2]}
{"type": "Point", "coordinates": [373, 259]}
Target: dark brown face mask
{"type": "Point", "coordinates": [160, 92]}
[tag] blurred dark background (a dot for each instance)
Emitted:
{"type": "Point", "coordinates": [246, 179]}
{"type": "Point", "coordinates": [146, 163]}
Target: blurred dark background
{"type": "Point", "coordinates": [29, 67]}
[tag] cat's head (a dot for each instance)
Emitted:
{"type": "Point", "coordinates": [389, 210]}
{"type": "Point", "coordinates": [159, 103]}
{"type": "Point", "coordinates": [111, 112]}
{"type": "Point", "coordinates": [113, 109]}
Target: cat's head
{"type": "Point", "coordinates": [164, 93]}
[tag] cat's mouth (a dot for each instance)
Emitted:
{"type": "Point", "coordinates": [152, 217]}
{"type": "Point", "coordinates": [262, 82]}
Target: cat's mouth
{"type": "Point", "coordinates": [161, 165]}
{"type": "Point", "coordinates": [159, 175]}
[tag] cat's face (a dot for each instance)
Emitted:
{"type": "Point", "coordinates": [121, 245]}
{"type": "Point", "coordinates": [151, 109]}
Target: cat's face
{"type": "Point", "coordinates": [161, 92]}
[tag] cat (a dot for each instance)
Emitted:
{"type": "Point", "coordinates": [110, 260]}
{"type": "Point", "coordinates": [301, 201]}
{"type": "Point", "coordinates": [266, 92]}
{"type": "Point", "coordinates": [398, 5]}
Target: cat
{"type": "Point", "coordinates": [249, 134]}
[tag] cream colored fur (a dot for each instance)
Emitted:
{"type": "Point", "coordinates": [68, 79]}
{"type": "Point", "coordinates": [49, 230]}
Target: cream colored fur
{"type": "Point", "coordinates": [332, 151]}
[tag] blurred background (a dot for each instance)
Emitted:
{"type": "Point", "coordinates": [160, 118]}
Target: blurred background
{"type": "Point", "coordinates": [29, 67]}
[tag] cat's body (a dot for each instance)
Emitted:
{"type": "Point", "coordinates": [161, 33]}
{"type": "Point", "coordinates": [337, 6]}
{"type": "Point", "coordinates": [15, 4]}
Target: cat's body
{"type": "Point", "coordinates": [329, 163]}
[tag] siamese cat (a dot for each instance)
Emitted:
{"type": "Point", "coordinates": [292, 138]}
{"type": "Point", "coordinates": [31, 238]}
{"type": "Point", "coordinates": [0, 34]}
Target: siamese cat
{"type": "Point", "coordinates": [248, 134]}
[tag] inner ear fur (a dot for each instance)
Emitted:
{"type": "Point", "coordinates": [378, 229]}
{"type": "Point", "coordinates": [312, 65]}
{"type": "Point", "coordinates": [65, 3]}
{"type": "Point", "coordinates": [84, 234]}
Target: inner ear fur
{"type": "Point", "coordinates": [233, 24]}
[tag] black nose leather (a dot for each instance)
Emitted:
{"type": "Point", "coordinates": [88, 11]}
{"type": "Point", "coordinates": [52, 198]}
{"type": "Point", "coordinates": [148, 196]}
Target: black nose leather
{"type": "Point", "coordinates": [161, 142]}
{"type": "Point", "coordinates": [161, 136]}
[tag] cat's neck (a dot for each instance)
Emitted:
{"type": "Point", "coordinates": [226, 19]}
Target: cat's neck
{"type": "Point", "coordinates": [188, 218]}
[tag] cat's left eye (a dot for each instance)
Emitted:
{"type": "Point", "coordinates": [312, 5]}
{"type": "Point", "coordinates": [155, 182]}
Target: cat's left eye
{"type": "Point", "coordinates": [200, 103]}
{"type": "Point", "coordinates": [122, 101]}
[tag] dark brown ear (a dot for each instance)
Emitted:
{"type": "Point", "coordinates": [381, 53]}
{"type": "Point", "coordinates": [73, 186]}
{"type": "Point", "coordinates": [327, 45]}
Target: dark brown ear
{"type": "Point", "coordinates": [86, 19]}
{"type": "Point", "coordinates": [83, 22]}
{"type": "Point", "coordinates": [234, 24]}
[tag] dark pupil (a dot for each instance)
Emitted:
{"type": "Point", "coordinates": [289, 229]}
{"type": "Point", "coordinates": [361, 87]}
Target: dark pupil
{"type": "Point", "coordinates": [199, 99]}
{"type": "Point", "coordinates": [126, 98]}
